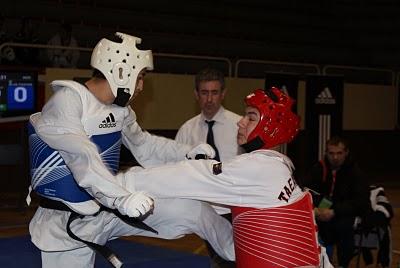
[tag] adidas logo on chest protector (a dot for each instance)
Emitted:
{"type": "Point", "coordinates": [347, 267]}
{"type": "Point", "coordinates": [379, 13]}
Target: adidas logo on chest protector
{"type": "Point", "coordinates": [109, 122]}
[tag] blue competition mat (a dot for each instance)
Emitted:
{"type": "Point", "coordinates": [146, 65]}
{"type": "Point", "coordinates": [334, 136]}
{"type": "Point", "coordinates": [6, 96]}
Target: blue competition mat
{"type": "Point", "coordinates": [20, 252]}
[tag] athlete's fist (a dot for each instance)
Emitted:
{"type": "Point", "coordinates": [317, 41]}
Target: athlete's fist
{"type": "Point", "coordinates": [203, 149]}
{"type": "Point", "coordinates": [136, 204]}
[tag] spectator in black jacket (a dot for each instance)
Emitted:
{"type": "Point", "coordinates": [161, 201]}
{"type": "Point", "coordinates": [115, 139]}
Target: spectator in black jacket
{"type": "Point", "coordinates": [343, 195]}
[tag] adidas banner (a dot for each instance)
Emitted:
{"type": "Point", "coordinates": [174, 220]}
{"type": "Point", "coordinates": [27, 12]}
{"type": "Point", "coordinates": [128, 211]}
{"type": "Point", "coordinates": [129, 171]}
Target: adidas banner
{"type": "Point", "coordinates": [288, 83]}
{"type": "Point", "coordinates": [324, 112]}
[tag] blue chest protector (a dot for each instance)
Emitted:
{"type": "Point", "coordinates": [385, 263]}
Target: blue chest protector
{"type": "Point", "coordinates": [52, 179]}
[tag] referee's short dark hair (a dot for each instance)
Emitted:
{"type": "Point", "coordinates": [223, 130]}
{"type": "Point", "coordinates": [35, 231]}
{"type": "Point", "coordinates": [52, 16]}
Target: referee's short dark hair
{"type": "Point", "coordinates": [209, 74]}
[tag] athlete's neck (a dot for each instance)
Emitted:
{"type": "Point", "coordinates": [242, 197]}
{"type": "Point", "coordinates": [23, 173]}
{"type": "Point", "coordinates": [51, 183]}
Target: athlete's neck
{"type": "Point", "coordinates": [101, 90]}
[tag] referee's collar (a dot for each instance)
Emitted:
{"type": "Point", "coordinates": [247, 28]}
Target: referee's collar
{"type": "Point", "coordinates": [219, 117]}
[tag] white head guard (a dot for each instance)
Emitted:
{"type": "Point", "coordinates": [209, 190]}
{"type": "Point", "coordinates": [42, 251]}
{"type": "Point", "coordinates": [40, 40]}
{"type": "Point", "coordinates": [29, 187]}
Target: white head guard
{"type": "Point", "coordinates": [121, 63]}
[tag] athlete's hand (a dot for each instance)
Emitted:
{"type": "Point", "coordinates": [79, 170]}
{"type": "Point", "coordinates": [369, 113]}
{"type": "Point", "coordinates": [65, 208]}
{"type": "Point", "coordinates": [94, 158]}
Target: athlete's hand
{"type": "Point", "coordinates": [324, 214]}
{"type": "Point", "coordinates": [135, 205]}
{"type": "Point", "coordinates": [203, 149]}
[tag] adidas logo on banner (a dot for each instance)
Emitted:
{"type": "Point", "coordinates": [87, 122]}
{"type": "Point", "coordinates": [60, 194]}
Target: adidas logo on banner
{"type": "Point", "coordinates": [325, 97]}
{"type": "Point", "coordinates": [108, 122]}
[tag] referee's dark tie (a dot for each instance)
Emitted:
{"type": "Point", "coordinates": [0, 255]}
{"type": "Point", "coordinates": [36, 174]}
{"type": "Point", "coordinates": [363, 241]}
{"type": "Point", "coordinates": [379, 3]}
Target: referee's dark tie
{"type": "Point", "coordinates": [210, 138]}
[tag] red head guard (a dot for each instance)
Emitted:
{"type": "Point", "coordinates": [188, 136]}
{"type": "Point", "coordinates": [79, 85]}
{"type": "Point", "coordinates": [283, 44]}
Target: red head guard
{"type": "Point", "coordinates": [278, 124]}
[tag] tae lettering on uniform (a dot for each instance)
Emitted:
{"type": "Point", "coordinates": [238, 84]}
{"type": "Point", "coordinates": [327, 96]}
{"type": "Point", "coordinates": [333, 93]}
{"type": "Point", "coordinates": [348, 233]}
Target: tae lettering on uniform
{"type": "Point", "coordinates": [287, 190]}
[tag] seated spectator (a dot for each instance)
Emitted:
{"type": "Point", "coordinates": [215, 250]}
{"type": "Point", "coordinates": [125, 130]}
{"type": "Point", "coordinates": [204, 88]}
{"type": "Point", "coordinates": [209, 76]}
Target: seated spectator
{"type": "Point", "coordinates": [27, 35]}
{"type": "Point", "coordinates": [342, 196]}
{"type": "Point", "coordinates": [67, 58]}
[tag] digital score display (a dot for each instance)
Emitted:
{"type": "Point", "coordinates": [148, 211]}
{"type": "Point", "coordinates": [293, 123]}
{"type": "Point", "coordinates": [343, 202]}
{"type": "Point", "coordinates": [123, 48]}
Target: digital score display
{"type": "Point", "coordinates": [17, 93]}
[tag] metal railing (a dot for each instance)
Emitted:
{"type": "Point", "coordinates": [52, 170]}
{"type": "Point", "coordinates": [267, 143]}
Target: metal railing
{"type": "Point", "coordinates": [315, 69]}
{"type": "Point", "coordinates": [391, 73]}
{"type": "Point", "coordinates": [277, 63]}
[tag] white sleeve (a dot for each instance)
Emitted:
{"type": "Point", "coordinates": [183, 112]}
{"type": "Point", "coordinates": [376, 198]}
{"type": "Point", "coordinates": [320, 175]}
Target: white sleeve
{"type": "Point", "coordinates": [60, 127]}
{"type": "Point", "coordinates": [248, 180]}
{"type": "Point", "coordinates": [150, 150]}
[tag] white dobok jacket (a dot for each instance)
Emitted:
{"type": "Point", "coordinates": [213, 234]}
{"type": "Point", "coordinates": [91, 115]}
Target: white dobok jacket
{"type": "Point", "coordinates": [259, 179]}
{"type": "Point", "coordinates": [277, 223]}
{"type": "Point", "coordinates": [75, 144]}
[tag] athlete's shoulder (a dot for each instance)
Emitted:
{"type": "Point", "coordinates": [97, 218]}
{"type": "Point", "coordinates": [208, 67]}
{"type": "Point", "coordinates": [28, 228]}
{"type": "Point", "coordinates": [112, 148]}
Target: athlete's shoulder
{"type": "Point", "coordinates": [64, 98]}
{"type": "Point", "coordinates": [56, 85]}
{"type": "Point", "coordinates": [272, 155]}
{"type": "Point", "coordinates": [69, 88]}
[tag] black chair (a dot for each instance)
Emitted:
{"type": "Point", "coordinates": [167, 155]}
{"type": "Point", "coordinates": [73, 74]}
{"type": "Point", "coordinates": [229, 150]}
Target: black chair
{"type": "Point", "coordinates": [378, 239]}
{"type": "Point", "coordinates": [373, 232]}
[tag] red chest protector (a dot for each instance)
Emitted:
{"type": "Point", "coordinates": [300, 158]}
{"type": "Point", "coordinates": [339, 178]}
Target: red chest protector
{"type": "Point", "coordinates": [276, 237]}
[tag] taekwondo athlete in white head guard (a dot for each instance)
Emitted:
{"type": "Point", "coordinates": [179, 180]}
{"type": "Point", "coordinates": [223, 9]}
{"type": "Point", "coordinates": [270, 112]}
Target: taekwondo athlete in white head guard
{"type": "Point", "coordinates": [273, 222]}
{"type": "Point", "coordinates": [75, 143]}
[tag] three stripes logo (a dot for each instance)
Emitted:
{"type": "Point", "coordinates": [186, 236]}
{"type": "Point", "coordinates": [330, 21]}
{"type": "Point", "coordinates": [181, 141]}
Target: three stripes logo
{"type": "Point", "coordinates": [108, 122]}
{"type": "Point", "coordinates": [325, 97]}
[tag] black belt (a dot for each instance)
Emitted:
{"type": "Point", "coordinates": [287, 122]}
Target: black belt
{"type": "Point", "coordinates": [102, 249]}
